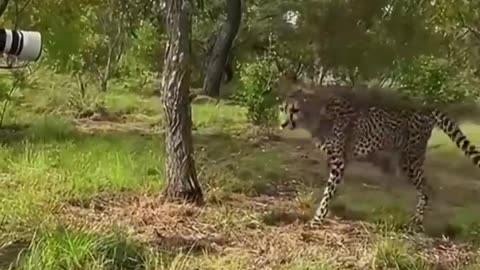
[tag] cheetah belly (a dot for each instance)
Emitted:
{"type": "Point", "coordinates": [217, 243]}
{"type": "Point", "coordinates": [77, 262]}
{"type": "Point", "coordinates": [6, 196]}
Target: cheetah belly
{"type": "Point", "coordinates": [375, 140]}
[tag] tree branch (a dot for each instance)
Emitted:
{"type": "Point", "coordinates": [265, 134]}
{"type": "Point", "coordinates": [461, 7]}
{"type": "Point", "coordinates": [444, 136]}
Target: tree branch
{"type": "Point", "coordinates": [472, 30]}
{"type": "Point", "coordinates": [3, 7]}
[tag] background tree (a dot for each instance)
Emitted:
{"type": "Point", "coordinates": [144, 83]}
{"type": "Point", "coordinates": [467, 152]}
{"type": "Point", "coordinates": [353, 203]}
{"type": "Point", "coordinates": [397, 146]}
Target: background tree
{"type": "Point", "coordinates": [220, 53]}
{"type": "Point", "coordinates": [180, 166]}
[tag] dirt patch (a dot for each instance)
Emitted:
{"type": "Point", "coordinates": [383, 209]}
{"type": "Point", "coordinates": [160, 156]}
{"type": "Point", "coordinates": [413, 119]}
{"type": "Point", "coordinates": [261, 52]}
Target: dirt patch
{"type": "Point", "coordinates": [9, 252]}
{"type": "Point", "coordinates": [239, 225]}
{"type": "Point", "coordinates": [90, 126]}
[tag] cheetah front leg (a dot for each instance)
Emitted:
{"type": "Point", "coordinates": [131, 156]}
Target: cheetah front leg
{"type": "Point", "coordinates": [337, 167]}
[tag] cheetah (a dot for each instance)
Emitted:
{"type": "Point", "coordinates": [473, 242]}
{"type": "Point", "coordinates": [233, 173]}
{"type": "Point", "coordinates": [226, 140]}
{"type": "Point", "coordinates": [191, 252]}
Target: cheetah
{"type": "Point", "coordinates": [348, 125]}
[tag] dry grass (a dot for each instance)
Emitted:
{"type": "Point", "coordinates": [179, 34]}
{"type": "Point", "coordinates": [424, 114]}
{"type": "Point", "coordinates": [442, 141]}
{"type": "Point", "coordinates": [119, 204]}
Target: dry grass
{"type": "Point", "coordinates": [261, 233]}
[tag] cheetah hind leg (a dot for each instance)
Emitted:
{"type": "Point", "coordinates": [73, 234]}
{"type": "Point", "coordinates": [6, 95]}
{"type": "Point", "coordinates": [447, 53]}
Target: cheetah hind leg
{"type": "Point", "coordinates": [417, 178]}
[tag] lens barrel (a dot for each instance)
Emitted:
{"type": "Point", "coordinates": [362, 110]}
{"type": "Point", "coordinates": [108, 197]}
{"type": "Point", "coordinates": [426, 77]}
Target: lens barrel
{"type": "Point", "coordinates": [25, 45]}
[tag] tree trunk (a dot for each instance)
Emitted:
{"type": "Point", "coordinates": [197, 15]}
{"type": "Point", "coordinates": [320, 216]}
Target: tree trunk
{"type": "Point", "coordinates": [228, 70]}
{"type": "Point", "coordinates": [182, 182]}
{"type": "Point", "coordinates": [223, 44]}
{"type": "Point", "coordinates": [104, 85]}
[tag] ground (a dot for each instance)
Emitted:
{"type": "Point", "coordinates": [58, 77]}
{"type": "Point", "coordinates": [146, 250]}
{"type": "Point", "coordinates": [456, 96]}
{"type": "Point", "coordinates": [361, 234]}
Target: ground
{"type": "Point", "coordinates": [86, 194]}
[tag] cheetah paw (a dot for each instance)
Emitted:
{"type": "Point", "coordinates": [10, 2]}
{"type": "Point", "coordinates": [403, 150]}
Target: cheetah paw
{"type": "Point", "coordinates": [415, 226]}
{"type": "Point", "coordinates": [313, 224]}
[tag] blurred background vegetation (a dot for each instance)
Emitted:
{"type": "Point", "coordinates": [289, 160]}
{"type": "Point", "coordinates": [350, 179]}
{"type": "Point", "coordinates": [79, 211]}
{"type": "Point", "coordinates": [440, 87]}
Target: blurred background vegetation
{"type": "Point", "coordinates": [428, 49]}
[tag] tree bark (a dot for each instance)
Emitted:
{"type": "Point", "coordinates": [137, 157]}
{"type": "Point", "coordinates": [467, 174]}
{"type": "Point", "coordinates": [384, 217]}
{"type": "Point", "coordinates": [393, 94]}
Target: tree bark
{"type": "Point", "coordinates": [218, 59]}
{"type": "Point", "coordinates": [182, 182]}
{"type": "Point", "coordinates": [228, 68]}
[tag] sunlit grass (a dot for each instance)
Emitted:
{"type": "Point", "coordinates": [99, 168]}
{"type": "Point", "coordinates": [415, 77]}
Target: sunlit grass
{"type": "Point", "coordinates": [73, 249]}
{"type": "Point", "coordinates": [398, 255]}
{"type": "Point", "coordinates": [53, 163]}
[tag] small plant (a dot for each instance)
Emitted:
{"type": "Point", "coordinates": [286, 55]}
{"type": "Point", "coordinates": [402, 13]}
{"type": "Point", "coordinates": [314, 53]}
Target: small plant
{"type": "Point", "coordinates": [396, 254]}
{"type": "Point", "coordinates": [390, 218]}
{"type": "Point", "coordinates": [255, 93]}
{"type": "Point", "coordinates": [82, 104]}
{"type": "Point", "coordinates": [63, 248]}
{"type": "Point", "coordinates": [136, 66]}
{"type": "Point", "coordinates": [19, 80]}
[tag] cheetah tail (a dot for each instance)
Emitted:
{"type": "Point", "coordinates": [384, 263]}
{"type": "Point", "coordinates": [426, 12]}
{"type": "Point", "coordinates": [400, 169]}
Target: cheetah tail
{"type": "Point", "coordinates": [453, 131]}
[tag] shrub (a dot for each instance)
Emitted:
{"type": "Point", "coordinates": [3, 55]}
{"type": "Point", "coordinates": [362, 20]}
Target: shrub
{"type": "Point", "coordinates": [437, 81]}
{"type": "Point", "coordinates": [255, 92]}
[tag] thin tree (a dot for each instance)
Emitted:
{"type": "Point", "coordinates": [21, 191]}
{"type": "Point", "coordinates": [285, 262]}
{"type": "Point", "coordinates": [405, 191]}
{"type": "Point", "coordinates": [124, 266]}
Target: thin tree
{"type": "Point", "coordinates": [182, 182]}
{"type": "Point", "coordinates": [223, 44]}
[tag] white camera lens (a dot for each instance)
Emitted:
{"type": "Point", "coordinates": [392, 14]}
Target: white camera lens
{"type": "Point", "coordinates": [25, 45]}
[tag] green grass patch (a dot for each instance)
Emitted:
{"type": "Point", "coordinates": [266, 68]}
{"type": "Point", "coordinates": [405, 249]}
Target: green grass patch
{"type": "Point", "coordinates": [465, 224]}
{"type": "Point", "coordinates": [53, 163]}
{"type": "Point", "coordinates": [130, 103]}
{"type": "Point", "coordinates": [398, 255]}
{"type": "Point", "coordinates": [381, 208]}
{"type": "Point", "coordinates": [447, 155]}
{"type": "Point", "coordinates": [74, 249]}
{"type": "Point", "coordinates": [219, 116]}
{"type": "Point", "coordinates": [234, 164]}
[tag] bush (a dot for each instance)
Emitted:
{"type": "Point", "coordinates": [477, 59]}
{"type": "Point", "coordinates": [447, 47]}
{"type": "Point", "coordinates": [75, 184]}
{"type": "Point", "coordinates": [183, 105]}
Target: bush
{"type": "Point", "coordinates": [436, 81]}
{"type": "Point", "coordinates": [255, 92]}
{"type": "Point", "coordinates": [139, 64]}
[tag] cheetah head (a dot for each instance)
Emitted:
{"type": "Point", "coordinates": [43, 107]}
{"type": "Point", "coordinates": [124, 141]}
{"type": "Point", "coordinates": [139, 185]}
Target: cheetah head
{"type": "Point", "coordinates": [301, 105]}
{"type": "Point", "coordinates": [299, 110]}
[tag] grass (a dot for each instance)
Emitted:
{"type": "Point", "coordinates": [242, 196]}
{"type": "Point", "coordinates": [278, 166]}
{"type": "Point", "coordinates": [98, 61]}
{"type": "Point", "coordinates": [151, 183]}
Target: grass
{"type": "Point", "coordinates": [396, 254]}
{"type": "Point", "coordinates": [84, 195]}
{"type": "Point", "coordinates": [61, 248]}
{"type": "Point", "coordinates": [302, 264]}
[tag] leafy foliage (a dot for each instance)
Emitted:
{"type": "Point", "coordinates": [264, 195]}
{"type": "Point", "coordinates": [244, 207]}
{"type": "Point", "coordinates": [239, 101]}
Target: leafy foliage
{"type": "Point", "coordinates": [428, 49]}
{"type": "Point", "coordinates": [437, 81]}
{"type": "Point", "coordinates": [137, 66]}
{"type": "Point", "coordinates": [255, 92]}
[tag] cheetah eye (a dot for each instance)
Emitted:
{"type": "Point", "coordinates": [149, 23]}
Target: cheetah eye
{"type": "Point", "coordinates": [294, 110]}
